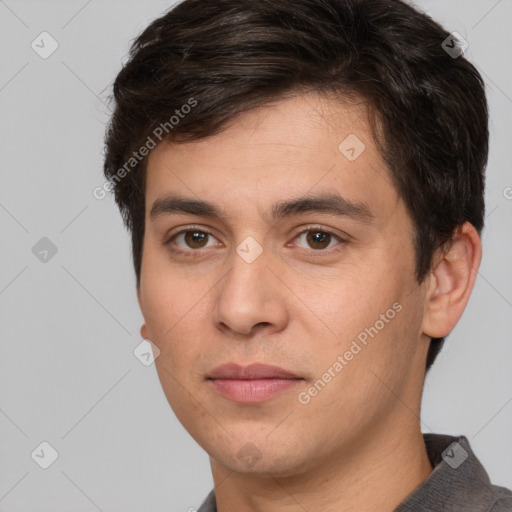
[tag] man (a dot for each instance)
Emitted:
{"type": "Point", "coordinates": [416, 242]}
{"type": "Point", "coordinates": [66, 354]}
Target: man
{"type": "Point", "coordinates": [303, 182]}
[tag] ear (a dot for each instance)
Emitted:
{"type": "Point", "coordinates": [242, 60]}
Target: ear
{"type": "Point", "coordinates": [143, 330]}
{"type": "Point", "coordinates": [451, 281]}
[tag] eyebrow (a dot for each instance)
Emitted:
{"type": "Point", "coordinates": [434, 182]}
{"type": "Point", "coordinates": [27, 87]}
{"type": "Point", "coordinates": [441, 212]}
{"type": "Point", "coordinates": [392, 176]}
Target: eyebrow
{"type": "Point", "coordinates": [325, 203]}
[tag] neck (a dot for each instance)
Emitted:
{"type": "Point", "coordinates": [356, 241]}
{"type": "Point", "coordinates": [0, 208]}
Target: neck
{"type": "Point", "coordinates": [376, 474]}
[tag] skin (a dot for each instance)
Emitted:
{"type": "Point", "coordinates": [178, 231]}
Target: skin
{"type": "Point", "coordinates": [357, 444]}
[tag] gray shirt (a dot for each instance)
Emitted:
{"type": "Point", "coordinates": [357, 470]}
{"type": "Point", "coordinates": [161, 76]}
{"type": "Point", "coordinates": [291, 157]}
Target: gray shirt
{"type": "Point", "coordinates": [458, 483]}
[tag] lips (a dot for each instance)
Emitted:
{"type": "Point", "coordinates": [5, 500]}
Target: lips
{"type": "Point", "coordinates": [251, 372]}
{"type": "Point", "coordinates": [253, 383]}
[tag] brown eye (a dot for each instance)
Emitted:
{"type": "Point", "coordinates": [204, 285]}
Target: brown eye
{"type": "Point", "coordinates": [196, 239]}
{"type": "Point", "coordinates": [191, 241]}
{"type": "Point", "coordinates": [318, 239]}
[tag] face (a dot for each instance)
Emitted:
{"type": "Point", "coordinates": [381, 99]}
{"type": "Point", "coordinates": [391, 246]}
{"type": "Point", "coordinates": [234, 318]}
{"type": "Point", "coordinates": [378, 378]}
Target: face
{"type": "Point", "coordinates": [282, 242]}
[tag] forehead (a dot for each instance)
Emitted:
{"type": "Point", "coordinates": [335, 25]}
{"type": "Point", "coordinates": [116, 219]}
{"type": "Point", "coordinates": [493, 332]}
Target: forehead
{"type": "Point", "coordinates": [290, 124]}
{"type": "Point", "coordinates": [300, 145]}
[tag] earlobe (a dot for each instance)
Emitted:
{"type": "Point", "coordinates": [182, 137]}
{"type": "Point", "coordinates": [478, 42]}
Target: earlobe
{"type": "Point", "coordinates": [451, 281]}
{"type": "Point", "coordinates": [144, 332]}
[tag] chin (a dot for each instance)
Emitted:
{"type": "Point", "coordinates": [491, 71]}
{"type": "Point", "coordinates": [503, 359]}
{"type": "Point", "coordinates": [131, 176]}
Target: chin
{"type": "Point", "coordinates": [274, 459]}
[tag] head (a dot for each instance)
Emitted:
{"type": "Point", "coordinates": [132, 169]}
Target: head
{"type": "Point", "coordinates": [237, 119]}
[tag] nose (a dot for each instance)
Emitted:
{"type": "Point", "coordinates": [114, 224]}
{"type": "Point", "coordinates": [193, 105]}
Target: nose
{"type": "Point", "coordinates": [250, 299]}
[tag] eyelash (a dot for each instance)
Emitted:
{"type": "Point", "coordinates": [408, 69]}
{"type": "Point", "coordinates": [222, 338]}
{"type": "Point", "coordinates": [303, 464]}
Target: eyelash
{"type": "Point", "coordinates": [195, 253]}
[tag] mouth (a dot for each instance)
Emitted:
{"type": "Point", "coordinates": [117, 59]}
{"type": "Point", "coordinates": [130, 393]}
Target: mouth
{"type": "Point", "coordinates": [251, 384]}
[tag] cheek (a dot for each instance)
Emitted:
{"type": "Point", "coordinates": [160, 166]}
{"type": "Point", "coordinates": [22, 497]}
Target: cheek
{"type": "Point", "coordinates": [361, 374]}
{"type": "Point", "coordinates": [166, 298]}
{"type": "Point", "coordinates": [350, 303]}
{"type": "Point", "coordinates": [373, 323]}
{"type": "Point", "coordinates": [172, 312]}
{"type": "Point", "coordinates": [175, 322]}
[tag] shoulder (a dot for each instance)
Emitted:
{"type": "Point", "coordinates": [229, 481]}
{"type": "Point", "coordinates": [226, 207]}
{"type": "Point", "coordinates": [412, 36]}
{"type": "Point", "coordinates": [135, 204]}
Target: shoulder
{"type": "Point", "coordinates": [503, 502]}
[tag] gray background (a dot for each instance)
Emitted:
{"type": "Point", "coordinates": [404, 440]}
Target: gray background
{"type": "Point", "coordinates": [69, 326]}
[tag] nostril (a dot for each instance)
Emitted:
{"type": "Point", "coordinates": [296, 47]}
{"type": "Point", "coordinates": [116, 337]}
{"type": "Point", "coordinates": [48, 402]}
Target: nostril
{"type": "Point", "coordinates": [261, 324]}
